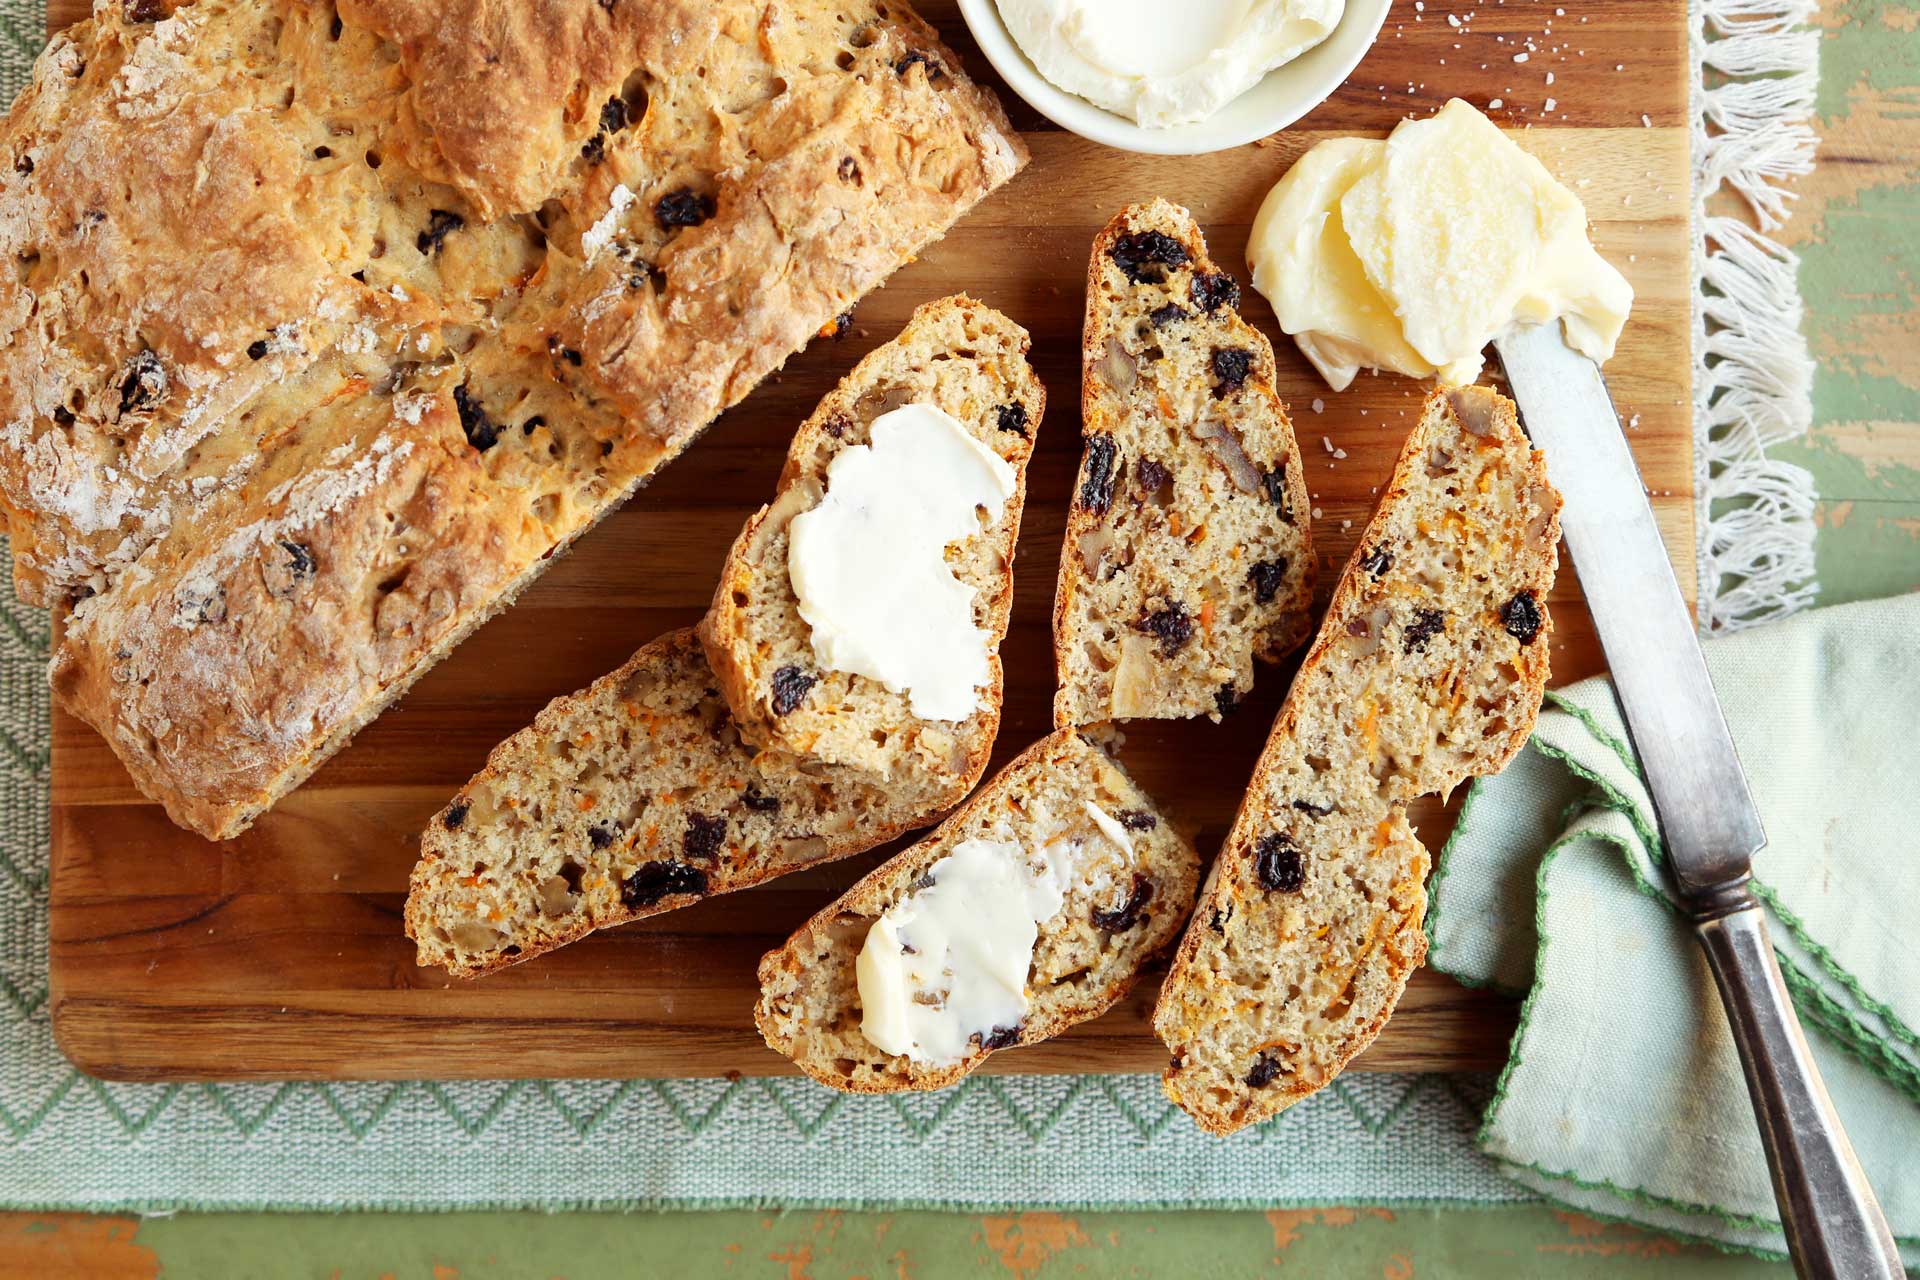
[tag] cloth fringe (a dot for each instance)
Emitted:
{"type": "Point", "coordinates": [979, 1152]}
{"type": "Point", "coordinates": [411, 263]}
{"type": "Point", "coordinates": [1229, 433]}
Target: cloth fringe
{"type": "Point", "coordinates": [1757, 73]}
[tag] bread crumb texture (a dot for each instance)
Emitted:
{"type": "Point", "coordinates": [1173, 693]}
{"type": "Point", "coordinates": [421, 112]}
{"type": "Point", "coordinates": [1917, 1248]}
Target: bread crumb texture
{"type": "Point", "coordinates": [1187, 553]}
{"type": "Point", "coordinates": [325, 325]}
{"type": "Point", "coordinates": [1428, 669]}
{"type": "Point", "coordinates": [1119, 913]}
{"type": "Point", "coordinates": [971, 362]}
{"type": "Point", "coordinates": [633, 797]}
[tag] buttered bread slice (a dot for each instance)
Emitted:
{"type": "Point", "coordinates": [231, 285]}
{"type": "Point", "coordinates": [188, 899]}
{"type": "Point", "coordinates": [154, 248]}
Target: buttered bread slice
{"type": "Point", "coordinates": [1187, 553]}
{"type": "Point", "coordinates": [1428, 670]}
{"type": "Point", "coordinates": [629, 798]}
{"type": "Point", "coordinates": [859, 615]}
{"type": "Point", "coordinates": [1034, 907]}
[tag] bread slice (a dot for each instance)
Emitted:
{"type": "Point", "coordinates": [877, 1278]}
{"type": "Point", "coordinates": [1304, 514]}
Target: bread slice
{"type": "Point", "coordinates": [1187, 553]}
{"type": "Point", "coordinates": [326, 326]}
{"type": "Point", "coordinates": [633, 797]}
{"type": "Point", "coordinates": [1428, 670]}
{"type": "Point", "coordinates": [970, 361]}
{"type": "Point", "coordinates": [1115, 918]}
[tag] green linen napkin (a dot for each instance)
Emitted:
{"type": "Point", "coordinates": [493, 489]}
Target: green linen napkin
{"type": "Point", "coordinates": [1623, 1095]}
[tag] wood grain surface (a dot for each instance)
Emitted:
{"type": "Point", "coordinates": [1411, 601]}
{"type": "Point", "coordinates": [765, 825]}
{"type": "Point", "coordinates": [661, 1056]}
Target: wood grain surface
{"type": "Point", "coordinates": [280, 954]}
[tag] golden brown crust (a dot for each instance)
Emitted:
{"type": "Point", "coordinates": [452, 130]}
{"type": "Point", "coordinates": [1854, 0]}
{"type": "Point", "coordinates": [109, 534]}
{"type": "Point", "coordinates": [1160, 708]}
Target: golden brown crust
{"type": "Point", "coordinates": [1299, 968]}
{"type": "Point", "coordinates": [250, 232]}
{"type": "Point", "coordinates": [970, 361]}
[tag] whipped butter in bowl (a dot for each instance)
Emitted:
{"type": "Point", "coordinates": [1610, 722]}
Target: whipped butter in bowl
{"type": "Point", "coordinates": [1174, 78]}
{"type": "Point", "coordinates": [1161, 64]}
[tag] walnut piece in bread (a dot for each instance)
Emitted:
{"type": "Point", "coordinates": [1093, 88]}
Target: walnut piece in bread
{"type": "Point", "coordinates": [330, 324]}
{"type": "Point", "coordinates": [632, 797]}
{"type": "Point", "coordinates": [1118, 912]}
{"type": "Point", "coordinates": [1187, 552]}
{"type": "Point", "coordinates": [1428, 670]}
{"type": "Point", "coordinates": [969, 361]}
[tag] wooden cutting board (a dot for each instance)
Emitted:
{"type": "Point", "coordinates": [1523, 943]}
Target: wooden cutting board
{"type": "Point", "coordinates": [280, 954]}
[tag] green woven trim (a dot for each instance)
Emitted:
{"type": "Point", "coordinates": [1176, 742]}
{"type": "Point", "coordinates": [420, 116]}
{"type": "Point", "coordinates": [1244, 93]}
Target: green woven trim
{"type": "Point", "coordinates": [1632, 1195]}
{"type": "Point", "coordinates": [1625, 751]}
{"type": "Point", "coordinates": [1670, 1232]}
{"type": "Point", "coordinates": [1819, 1008]}
{"type": "Point", "coordinates": [1830, 1017]}
{"type": "Point", "coordinates": [1442, 863]}
{"type": "Point", "coordinates": [1635, 1195]}
{"type": "Point", "coordinates": [1766, 893]}
{"type": "Point", "coordinates": [1795, 926]}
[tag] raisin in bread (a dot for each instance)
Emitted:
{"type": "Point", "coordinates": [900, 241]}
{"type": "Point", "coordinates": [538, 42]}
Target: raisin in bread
{"type": "Point", "coordinates": [633, 797]}
{"type": "Point", "coordinates": [970, 361]}
{"type": "Point", "coordinates": [1428, 670]}
{"type": "Point", "coordinates": [1187, 553]}
{"type": "Point", "coordinates": [326, 325]}
{"type": "Point", "coordinates": [1119, 911]}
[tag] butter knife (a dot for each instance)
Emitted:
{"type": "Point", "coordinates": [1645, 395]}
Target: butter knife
{"type": "Point", "coordinates": [1834, 1226]}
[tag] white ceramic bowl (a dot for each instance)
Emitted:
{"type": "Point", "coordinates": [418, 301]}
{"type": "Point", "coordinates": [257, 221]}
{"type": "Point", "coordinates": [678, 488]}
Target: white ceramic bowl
{"type": "Point", "coordinates": [1283, 96]}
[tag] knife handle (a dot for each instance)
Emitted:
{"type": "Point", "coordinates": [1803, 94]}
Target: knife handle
{"type": "Point", "coordinates": [1833, 1224]}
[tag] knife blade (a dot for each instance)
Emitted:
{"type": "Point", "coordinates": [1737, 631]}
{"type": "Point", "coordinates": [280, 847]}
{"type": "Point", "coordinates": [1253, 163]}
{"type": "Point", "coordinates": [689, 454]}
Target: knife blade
{"type": "Point", "coordinates": [1707, 815]}
{"type": "Point", "coordinates": [1708, 822]}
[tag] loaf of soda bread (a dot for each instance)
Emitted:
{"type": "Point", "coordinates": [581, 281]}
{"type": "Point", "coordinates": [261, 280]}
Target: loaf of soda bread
{"type": "Point", "coordinates": [1187, 553]}
{"type": "Point", "coordinates": [327, 325]}
{"type": "Point", "coordinates": [971, 362]}
{"type": "Point", "coordinates": [632, 797]}
{"type": "Point", "coordinates": [1428, 670]}
{"type": "Point", "coordinates": [1119, 911]}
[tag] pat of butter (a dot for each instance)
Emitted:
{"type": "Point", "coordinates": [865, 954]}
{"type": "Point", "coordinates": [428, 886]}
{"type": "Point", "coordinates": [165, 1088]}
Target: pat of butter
{"type": "Point", "coordinates": [868, 563]}
{"type": "Point", "coordinates": [948, 963]}
{"type": "Point", "coordinates": [1414, 253]}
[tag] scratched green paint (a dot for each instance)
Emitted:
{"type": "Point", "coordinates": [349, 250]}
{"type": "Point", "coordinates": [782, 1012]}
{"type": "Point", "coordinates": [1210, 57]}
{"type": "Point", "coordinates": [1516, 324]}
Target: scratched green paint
{"type": "Point", "coordinates": [1864, 46]}
{"type": "Point", "coordinates": [918, 1246]}
{"type": "Point", "coordinates": [1859, 279]}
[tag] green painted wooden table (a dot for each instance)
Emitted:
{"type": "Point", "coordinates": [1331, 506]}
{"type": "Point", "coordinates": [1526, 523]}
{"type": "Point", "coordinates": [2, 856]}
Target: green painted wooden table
{"type": "Point", "coordinates": [1858, 230]}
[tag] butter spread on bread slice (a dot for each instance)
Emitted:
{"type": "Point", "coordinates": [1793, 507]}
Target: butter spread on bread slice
{"type": "Point", "coordinates": [1042, 901]}
{"type": "Point", "coordinates": [812, 687]}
